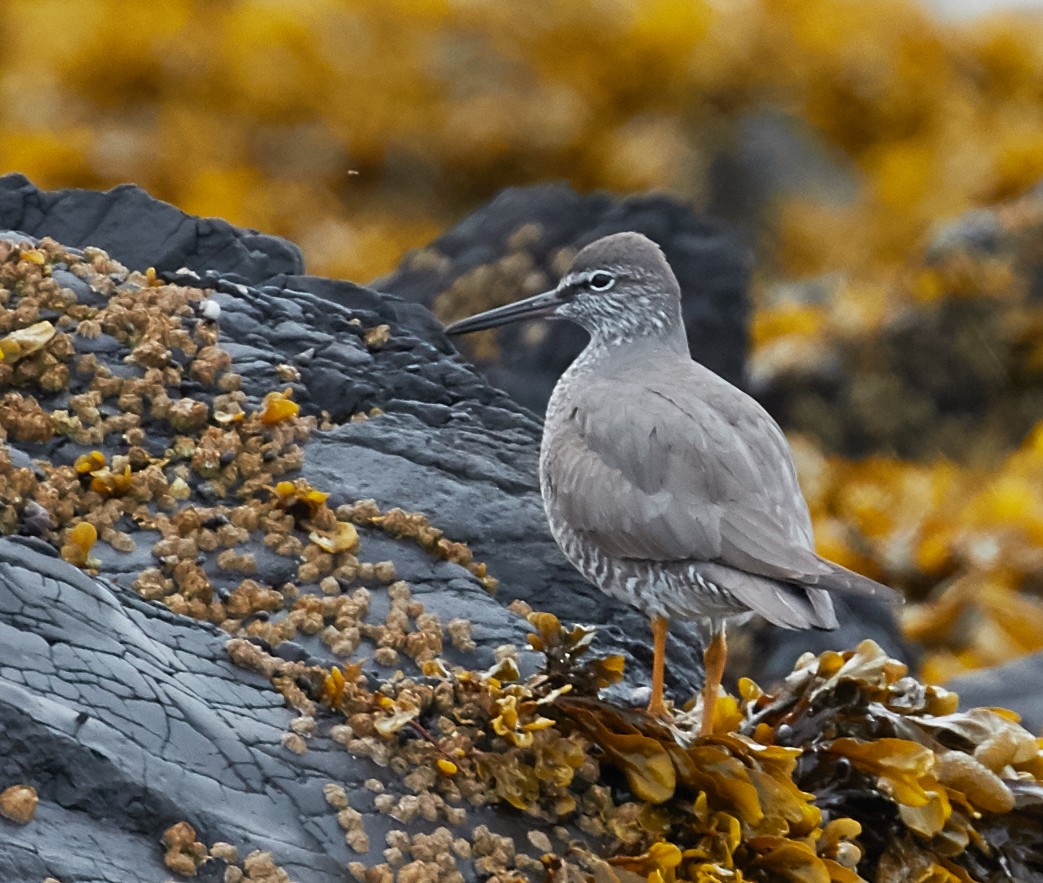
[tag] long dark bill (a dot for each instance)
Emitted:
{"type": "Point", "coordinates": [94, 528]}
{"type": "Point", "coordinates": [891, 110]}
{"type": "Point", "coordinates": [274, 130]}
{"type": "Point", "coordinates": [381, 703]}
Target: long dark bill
{"type": "Point", "coordinates": [531, 308]}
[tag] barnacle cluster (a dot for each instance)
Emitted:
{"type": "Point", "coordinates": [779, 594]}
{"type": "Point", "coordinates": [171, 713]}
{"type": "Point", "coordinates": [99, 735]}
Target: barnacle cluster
{"type": "Point", "coordinates": [415, 525]}
{"type": "Point", "coordinates": [164, 447]}
{"type": "Point", "coordinates": [852, 771]}
{"type": "Point", "coordinates": [185, 856]}
{"type": "Point", "coordinates": [155, 443]}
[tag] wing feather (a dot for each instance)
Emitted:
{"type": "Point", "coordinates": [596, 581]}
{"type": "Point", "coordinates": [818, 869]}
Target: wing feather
{"type": "Point", "coordinates": [687, 469]}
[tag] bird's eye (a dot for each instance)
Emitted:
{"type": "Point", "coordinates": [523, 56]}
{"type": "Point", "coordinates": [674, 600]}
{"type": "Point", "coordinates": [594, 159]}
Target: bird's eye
{"type": "Point", "coordinates": [601, 281]}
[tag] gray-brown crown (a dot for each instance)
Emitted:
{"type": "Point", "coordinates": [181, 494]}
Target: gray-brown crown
{"type": "Point", "coordinates": [621, 287]}
{"type": "Point", "coordinates": [627, 252]}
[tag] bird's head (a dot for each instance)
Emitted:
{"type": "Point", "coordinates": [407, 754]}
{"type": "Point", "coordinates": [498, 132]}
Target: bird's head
{"type": "Point", "coordinates": [619, 288]}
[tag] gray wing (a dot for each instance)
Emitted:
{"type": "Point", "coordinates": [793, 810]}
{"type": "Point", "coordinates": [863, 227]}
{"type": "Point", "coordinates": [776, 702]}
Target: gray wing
{"type": "Point", "coordinates": [692, 469]}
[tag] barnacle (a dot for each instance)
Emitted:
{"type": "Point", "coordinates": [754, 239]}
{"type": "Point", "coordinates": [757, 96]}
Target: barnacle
{"type": "Point", "coordinates": [415, 525]}
{"type": "Point", "coordinates": [377, 336]}
{"type": "Point", "coordinates": [209, 363]}
{"type": "Point", "coordinates": [24, 419]}
{"type": "Point", "coordinates": [459, 630]}
{"type": "Point", "coordinates": [18, 803]}
{"type": "Point", "coordinates": [184, 853]}
{"type": "Point", "coordinates": [186, 415]}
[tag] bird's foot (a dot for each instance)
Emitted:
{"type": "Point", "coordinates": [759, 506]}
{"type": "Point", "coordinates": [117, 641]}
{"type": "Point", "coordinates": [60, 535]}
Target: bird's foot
{"type": "Point", "coordinates": [659, 710]}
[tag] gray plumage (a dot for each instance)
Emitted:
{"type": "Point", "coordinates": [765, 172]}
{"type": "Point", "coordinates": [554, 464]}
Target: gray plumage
{"type": "Point", "coordinates": [674, 475]}
{"type": "Point", "coordinates": [665, 485]}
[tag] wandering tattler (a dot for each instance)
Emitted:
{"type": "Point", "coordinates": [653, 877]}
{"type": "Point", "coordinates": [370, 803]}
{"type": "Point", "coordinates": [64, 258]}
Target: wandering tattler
{"type": "Point", "coordinates": [664, 485]}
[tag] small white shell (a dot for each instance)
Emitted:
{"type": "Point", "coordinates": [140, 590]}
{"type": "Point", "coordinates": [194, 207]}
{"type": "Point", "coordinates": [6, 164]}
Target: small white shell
{"type": "Point", "coordinates": [210, 309]}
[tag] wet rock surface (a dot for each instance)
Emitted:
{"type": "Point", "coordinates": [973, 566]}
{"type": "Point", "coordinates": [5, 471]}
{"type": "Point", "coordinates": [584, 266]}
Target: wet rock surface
{"type": "Point", "coordinates": [127, 717]}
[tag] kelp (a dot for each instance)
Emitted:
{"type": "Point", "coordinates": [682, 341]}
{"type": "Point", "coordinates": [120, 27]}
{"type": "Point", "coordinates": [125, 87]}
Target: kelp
{"type": "Point", "coordinates": [851, 771]}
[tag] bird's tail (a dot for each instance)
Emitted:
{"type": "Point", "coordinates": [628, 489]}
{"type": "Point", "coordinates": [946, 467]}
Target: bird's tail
{"type": "Point", "coordinates": [835, 578]}
{"type": "Point", "coordinates": [789, 605]}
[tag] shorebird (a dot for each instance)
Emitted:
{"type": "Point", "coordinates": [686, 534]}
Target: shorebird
{"type": "Point", "coordinates": [663, 484]}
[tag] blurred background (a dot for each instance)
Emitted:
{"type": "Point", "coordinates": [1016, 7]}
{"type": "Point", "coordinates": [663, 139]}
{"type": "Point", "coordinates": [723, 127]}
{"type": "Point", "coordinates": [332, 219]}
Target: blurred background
{"type": "Point", "coordinates": [882, 158]}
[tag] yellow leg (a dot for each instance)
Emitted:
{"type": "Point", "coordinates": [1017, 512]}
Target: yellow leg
{"type": "Point", "coordinates": [660, 624]}
{"type": "Point", "coordinates": [714, 655]}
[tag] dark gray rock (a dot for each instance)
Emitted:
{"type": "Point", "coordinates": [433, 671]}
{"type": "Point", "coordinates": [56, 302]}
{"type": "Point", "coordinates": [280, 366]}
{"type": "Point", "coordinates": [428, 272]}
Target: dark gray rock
{"type": "Point", "coordinates": [171, 238]}
{"type": "Point", "coordinates": [1017, 685]}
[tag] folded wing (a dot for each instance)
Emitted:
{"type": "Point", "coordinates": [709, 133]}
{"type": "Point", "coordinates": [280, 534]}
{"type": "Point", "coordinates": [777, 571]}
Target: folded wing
{"type": "Point", "coordinates": [690, 469]}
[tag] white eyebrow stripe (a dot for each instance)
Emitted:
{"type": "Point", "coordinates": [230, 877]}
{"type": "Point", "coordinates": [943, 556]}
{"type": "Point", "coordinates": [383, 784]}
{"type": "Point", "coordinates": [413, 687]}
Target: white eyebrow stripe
{"type": "Point", "coordinates": [581, 278]}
